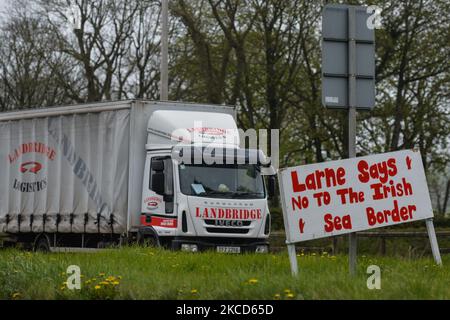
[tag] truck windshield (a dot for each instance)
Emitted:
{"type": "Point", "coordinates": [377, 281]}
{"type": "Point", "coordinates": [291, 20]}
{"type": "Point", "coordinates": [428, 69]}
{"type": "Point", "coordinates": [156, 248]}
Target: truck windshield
{"type": "Point", "coordinates": [222, 181]}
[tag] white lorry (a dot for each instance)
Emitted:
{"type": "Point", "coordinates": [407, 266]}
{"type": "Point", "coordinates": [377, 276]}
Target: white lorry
{"type": "Point", "coordinates": [94, 175]}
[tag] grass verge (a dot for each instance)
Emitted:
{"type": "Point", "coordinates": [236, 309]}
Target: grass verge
{"type": "Point", "coordinates": [141, 273]}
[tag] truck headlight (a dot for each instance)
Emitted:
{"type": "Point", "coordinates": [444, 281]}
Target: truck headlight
{"type": "Point", "coordinates": [189, 247]}
{"type": "Point", "coordinates": [262, 249]}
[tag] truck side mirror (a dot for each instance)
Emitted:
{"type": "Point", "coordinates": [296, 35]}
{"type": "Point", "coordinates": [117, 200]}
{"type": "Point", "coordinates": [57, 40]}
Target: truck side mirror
{"type": "Point", "coordinates": [271, 186]}
{"type": "Point", "coordinates": [158, 182]}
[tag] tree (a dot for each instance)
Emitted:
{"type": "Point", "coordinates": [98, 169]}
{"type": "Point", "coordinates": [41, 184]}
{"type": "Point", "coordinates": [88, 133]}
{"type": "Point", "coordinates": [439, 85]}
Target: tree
{"type": "Point", "coordinates": [26, 78]}
{"type": "Point", "coordinates": [210, 51]}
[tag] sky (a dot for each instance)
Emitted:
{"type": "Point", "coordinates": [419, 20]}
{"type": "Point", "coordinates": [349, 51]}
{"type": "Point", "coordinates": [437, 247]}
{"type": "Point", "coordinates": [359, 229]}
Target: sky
{"type": "Point", "coordinates": [2, 7]}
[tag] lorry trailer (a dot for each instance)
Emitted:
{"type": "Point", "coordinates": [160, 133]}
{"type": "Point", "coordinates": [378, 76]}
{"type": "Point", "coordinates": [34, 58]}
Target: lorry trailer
{"type": "Point", "coordinates": [113, 173]}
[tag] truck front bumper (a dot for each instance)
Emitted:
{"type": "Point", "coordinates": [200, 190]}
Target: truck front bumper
{"type": "Point", "coordinates": [221, 244]}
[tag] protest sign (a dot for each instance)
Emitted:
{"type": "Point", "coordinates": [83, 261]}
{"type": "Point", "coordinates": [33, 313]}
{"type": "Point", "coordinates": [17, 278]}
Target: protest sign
{"type": "Point", "coordinates": [338, 197]}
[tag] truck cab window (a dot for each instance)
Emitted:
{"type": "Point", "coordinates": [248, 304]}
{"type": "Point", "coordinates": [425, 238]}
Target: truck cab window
{"type": "Point", "coordinates": [222, 181]}
{"type": "Point", "coordinates": [161, 180]}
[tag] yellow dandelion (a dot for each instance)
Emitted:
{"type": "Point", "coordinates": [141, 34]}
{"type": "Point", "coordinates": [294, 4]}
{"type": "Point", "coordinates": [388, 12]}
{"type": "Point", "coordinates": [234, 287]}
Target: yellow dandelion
{"type": "Point", "coordinates": [97, 287]}
{"type": "Point", "coordinates": [116, 283]}
{"type": "Point", "coordinates": [277, 296]}
{"type": "Point", "coordinates": [104, 283]}
{"type": "Point", "coordinates": [16, 295]}
{"type": "Point", "coordinates": [290, 295]}
{"type": "Point", "coordinates": [287, 291]}
{"type": "Point", "coordinates": [253, 281]}
{"type": "Point", "coordinates": [194, 291]}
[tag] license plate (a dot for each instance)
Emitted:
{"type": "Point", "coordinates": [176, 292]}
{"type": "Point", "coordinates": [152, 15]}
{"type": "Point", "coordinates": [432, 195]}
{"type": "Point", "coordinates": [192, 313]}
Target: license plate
{"type": "Point", "coordinates": [228, 249]}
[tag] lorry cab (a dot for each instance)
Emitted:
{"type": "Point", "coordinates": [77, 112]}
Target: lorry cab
{"type": "Point", "coordinates": [200, 190]}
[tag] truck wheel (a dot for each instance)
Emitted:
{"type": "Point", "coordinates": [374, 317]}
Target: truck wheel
{"type": "Point", "coordinates": [42, 244]}
{"type": "Point", "coordinates": [148, 238]}
{"type": "Point", "coordinates": [105, 245]}
{"type": "Point", "coordinates": [149, 241]}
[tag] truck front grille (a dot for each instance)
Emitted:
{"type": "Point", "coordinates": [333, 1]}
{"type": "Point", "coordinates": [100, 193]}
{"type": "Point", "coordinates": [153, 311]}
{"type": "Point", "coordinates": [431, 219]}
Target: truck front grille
{"type": "Point", "coordinates": [228, 223]}
{"type": "Point", "coordinates": [228, 230]}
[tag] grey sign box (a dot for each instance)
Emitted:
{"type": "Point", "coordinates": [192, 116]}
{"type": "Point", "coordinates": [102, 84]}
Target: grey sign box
{"type": "Point", "coordinates": [363, 33]}
{"type": "Point", "coordinates": [336, 89]}
{"type": "Point", "coordinates": [335, 59]}
{"type": "Point", "coordinates": [336, 63]}
{"type": "Point", "coordinates": [365, 59]}
{"type": "Point", "coordinates": [365, 93]}
{"type": "Point", "coordinates": [334, 22]}
{"type": "Point", "coordinates": [335, 25]}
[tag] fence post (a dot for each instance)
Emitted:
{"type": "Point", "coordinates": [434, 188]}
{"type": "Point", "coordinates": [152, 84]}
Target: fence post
{"type": "Point", "coordinates": [382, 246]}
{"type": "Point", "coordinates": [335, 245]}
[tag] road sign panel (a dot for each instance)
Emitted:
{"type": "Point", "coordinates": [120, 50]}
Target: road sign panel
{"type": "Point", "coordinates": [336, 61]}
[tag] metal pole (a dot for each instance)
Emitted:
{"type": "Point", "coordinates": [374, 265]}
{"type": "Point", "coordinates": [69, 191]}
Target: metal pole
{"type": "Point", "coordinates": [164, 50]}
{"type": "Point", "coordinates": [433, 242]}
{"type": "Point", "coordinates": [352, 250]}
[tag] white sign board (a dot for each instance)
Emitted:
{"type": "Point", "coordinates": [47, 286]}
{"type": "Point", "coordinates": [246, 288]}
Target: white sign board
{"type": "Point", "coordinates": [344, 196]}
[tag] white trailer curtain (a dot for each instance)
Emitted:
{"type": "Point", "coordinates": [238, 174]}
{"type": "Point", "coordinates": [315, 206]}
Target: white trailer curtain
{"type": "Point", "coordinates": [66, 173]}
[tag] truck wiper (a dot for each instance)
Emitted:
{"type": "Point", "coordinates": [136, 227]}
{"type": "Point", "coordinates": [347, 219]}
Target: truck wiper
{"type": "Point", "coordinates": [227, 194]}
{"type": "Point", "coordinates": [246, 194]}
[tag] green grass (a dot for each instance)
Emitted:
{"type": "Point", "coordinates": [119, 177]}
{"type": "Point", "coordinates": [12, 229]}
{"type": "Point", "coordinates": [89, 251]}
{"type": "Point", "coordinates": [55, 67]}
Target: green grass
{"type": "Point", "coordinates": [142, 273]}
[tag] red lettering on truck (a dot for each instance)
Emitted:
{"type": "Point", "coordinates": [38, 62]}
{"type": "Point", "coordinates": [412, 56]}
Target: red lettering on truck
{"type": "Point", "coordinates": [228, 213]}
{"type": "Point", "coordinates": [32, 147]}
{"type": "Point", "coordinates": [155, 221]}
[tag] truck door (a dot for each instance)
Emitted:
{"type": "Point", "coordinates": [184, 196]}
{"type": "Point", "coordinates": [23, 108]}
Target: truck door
{"type": "Point", "coordinates": [158, 193]}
